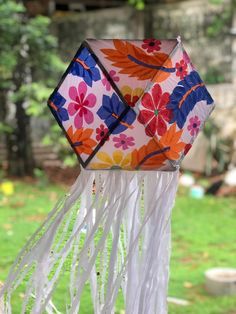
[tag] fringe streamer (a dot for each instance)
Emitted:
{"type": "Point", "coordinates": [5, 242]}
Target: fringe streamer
{"type": "Point", "coordinates": [115, 239]}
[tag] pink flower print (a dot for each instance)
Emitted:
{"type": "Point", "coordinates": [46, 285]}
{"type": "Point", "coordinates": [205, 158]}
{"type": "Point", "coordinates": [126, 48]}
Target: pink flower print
{"type": "Point", "coordinates": [114, 78]}
{"type": "Point", "coordinates": [187, 59]}
{"type": "Point", "coordinates": [194, 125]}
{"type": "Point", "coordinates": [80, 104]}
{"type": "Point", "coordinates": [123, 141]}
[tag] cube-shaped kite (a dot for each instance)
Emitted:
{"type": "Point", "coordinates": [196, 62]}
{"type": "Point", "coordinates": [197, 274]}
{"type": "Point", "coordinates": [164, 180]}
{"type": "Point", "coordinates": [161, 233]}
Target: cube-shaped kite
{"type": "Point", "coordinates": [131, 104]}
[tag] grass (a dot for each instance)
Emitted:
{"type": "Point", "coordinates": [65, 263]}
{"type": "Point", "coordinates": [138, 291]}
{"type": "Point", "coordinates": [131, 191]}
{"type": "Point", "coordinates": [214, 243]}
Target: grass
{"type": "Point", "coordinates": [203, 236]}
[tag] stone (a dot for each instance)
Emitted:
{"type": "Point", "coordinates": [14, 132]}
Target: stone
{"type": "Point", "coordinates": [221, 281]}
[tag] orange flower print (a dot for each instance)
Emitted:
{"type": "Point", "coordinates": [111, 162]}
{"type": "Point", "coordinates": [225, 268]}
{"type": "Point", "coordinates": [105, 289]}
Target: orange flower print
{"type": "Point", "coordinates": [156, 152]}
{"type": "Point", "coordinates": [148, 157]}
{"type": "Point", "coordinates": [171, 141]}
{"type": "Point", "coordinates": [81, 140]}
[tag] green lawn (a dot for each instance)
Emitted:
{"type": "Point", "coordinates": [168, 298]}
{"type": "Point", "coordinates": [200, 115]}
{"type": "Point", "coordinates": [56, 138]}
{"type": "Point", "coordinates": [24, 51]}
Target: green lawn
{"type": "Point", "coordinates": [203, 232]}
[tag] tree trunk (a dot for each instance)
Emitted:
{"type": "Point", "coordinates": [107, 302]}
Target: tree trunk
{"type": "Point", "coordinates": [3, 114]}
{"type": "Point", "coordinates": [19, 146]}
{"type": "Point", "coordinates": [2, 107]}
{"type": "Point", "coordinates": [20, 153]}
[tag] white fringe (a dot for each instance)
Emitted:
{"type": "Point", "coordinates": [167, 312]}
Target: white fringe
{"type": "Point", "coordinates": [117, 238]}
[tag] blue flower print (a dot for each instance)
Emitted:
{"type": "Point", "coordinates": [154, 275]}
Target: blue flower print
{"type": "Point", "coordinates": [116, 115]}
{"type": "Point", "coordinates": [84, 65]}
{"type": "Point", "coordinates": [184, 97]}
{"type": "Point", "coordinates": [56, 102]}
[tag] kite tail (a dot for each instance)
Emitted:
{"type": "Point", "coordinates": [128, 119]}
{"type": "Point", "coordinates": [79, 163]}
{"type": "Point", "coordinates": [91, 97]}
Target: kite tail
{"type": "Point", "coordinates": [111, 235]}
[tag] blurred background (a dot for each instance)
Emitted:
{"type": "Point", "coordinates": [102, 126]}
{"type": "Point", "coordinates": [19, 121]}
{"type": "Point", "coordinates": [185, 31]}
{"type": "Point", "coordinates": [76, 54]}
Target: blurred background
{"type": "Point", "coordinates": [37, 41]}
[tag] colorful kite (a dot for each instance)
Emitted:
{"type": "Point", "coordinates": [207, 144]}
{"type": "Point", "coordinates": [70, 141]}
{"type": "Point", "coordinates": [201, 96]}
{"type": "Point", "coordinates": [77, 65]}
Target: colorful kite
{"type": "Point", "coordinates": [131, 111]}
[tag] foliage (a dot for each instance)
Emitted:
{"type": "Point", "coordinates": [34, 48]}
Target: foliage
{"type": "Point", "coordinates": [29, 42]}
{"type": "Point", "coordinates": [214, 75]}
{"type": "Point", "coordinates": [138, 4]}
{"type": "Point", "coordinates": [10, 13]}
{"type": "Point", "coordinates": [203, 235]}
{"type": "Point", "coordinates": [29, 64]}
{"type": "Point", "coordinates": [218, 27]}
{"type": "Point", "coordinates": [4, 128]}
{"type": "Point", "coordinates": [219, 22]}
{"type": "Point", "coordinates": [42, 179]}
{"type": "Point", "coordinates": [60, 144]}
{"type": "Point", "coordinates": [216, 1]}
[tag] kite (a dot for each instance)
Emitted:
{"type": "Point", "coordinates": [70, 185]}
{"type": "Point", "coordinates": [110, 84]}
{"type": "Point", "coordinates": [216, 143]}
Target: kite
{"type": "Point", "coordinates": [131, 110]}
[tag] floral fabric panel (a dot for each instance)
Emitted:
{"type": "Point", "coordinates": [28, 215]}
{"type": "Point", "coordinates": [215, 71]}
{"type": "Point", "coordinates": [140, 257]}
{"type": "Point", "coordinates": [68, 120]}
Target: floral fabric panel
{"type": "Point", "coordinates": [131, 104]}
